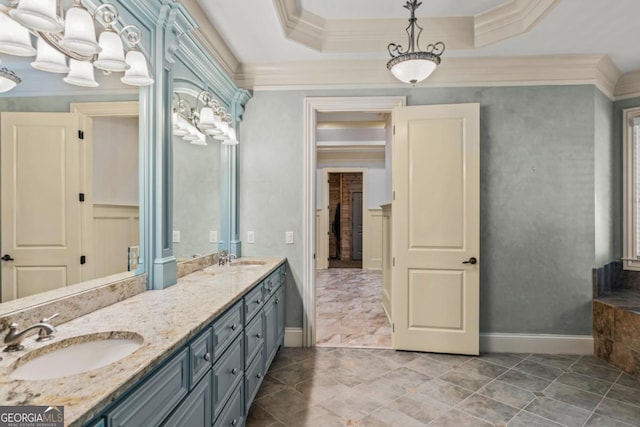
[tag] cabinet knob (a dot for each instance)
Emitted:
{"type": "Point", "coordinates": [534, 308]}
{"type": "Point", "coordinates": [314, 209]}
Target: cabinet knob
{"type": "Point", "coordinates": [207, 357]}
{"type": "Point", "coordinates": [258, 335]}
{"type": "Point", "coordinates": [234, 371]}
{"type": "Point", "coordinates": [234, 422]}
{"type": "Point", "coordinates": [258, 375]}
{"type": "Point", "coordinates": [234, 327]}
{"type": "Point", "coordinates": [277, 300]}
{"type": "Point", "coordinates": [269, 290]}
{"type": "Point", "coordinates": [258, 301]}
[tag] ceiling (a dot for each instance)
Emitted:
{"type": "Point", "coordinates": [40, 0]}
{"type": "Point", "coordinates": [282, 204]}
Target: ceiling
{"type": "Point", "coordinates": [296, 31]}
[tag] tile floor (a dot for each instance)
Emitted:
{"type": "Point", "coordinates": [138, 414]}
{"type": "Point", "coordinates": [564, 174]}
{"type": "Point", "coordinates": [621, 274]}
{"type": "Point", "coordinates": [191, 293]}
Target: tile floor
{"type": "Point", "coordinates": [320, 387]}
{"type": "Point", "coordinates": [349, 309]}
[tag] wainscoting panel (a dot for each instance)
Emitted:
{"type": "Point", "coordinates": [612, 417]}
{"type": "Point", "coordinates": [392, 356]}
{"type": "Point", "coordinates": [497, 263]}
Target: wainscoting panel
{"type": "Point", "coordinates": [115, 228]}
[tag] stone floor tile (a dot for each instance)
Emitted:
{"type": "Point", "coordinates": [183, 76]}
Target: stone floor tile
{"type": "Point", "coordinates": [419, 406]}
{"type": "Point", "coordinates": [584, 382]}
{"type": "Point", "coordinates": [557, 361]}
{"type": "Point", "coordinates": [429, 366]}
{"type": "Point", "coordinates": [527, 419]}
{"type": "Point", "coordinates": [394, 384]}
{"type": "Point", "coordinates": [539, 370]}
{"type": "Point", "coordinates": [351, 405]}
{"type": "Point", "coordinates": [399, 357]}
{"type": "Point", "coordinates": [269, 386]}
{"type": "Point", "coordinates": [629, 381]}
{"type": "Point", "coordinates": [599, 371]}
{"type": "Point", "coordinates": [560, 412]}
{"type": "Point", "coordinates": [320, 388]}
{"type": "Point", "coordinates": [573, 396]}
{"type": "Point", "coordinates": [386, 417]}
{"type": "Point", "coordinates": [524, 381]}
{"type": "Point", "coordinates": [454, 360]}
{"type": "Point", "coordinates": [259, 417]}
{"type": "Point", "coordinates": [488, 409]}
{"type": "Point", "coordinates": [313, 416]}
{"type": "Point", "coordinates": [598, 420]}
{"type": "Point", "coordinates": [625, 394]}
{"type": "Point", "coordinates": [506, 393]}
{"type": "Point", "coordinates": [455, 418]}
{"type": "Point", "coordinates": [293, 374]}
{"type": "Point", "coordinates": [619, 411]}
{"type": "Point", "coordinates": [508, 360]}
{"type": "Point", "coordinates": [444, 392]}
{"type": "Point", "coordinates": [279, 404]}
{"type": "Point", "coordinates": [480, 367]}
{"type": "Point", "coordinates": [472, 382]}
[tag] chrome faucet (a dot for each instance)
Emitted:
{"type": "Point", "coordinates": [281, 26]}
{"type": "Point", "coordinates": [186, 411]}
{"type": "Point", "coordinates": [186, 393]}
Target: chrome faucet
{"type": "Point", "coordinates": [224, 258]}
{"type": "Point", "coordinates": [13, 339]}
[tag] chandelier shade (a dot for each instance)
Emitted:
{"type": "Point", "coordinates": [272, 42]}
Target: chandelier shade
{"type": "Point", "coordinates": [111, 57]}
{"type": "Point", "coordinates": [50, 60]}
{"type": "Point", "coordinates": [79, 32]}
{"type": "Point", "coordinates": [8, 80]}
{"type": "Point", "coordinates": [81, 74]}
{"type": "Point", "coordinates": [414, 65]}
{"type": "Point", "coordinates": [14, 38]}
{"type": "Point", "coordinates": [138, 72]}
{"type": "Point", "coordinates": [38, 15]}
{"type": "Point", "coordinates": [207, 119]}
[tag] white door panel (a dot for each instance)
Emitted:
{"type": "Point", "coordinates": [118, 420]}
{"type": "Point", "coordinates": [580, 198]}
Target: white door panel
{"type": "Point", "coordinates": [435, 222]}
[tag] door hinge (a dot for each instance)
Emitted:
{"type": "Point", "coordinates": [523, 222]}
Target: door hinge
{"type": "Point", "coordinates": [80, 134]}
{"type": "Point", "coordinates": [393, 327]}
{"type": "Point", "coordinates": [394, 195]}
{"type": "Point", "coordinates": [314, 256]}
{"type": "Point", "coordinates": [81, 197]}
{"type": "Point", "coordinates": [394, 129]}
{"type": "Point", "coordinates": [83, 259]}
{"type": "Point", "coordinates": [394, 261]}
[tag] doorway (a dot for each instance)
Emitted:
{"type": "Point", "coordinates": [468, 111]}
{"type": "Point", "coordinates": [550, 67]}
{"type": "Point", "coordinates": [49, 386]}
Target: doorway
{"type": "Point", "coordinates": [345, 220]}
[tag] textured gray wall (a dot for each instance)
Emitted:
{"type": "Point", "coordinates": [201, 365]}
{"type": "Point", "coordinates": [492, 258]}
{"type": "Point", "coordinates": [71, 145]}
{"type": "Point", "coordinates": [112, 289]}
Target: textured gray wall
{"type": "Point", "coordinates": [606, 212]}
{"type": "Point", "coordinates": [538, 230]}
{"type": "Point", "coordinates": [196, 196]}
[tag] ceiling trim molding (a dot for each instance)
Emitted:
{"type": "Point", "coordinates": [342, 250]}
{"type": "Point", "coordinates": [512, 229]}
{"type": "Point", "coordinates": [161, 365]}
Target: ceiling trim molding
{"type": "Point", "coordinates": [628, 86]}
{"type": "Point", "coordinates": [512, 18]}
{"type": "Point", "coordinates": [211, 39]}
{"type": "Point", "coordinates": [456, 71]}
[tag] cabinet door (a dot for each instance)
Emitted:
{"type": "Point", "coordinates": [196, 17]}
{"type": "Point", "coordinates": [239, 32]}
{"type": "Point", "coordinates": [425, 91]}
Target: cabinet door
{"type": "Point", "coordinates": [195, 411]}
{"type": "Point", "coordinates": [279, 301]}
{"type": "Point", "coordinates": [271, 329]}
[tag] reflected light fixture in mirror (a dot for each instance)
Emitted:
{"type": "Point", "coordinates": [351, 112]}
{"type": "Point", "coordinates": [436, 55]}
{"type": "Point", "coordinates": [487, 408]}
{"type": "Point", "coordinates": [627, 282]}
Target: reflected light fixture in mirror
{"type": "Point", "coordinates": [194, 125]}
{"type": "Point", "coordinates": [73, 38]}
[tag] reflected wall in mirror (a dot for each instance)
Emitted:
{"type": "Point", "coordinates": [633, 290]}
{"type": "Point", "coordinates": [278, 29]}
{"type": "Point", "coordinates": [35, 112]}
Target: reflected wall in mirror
{"type": "Point", "coordinates": [196, 194]}
{"type": "Point", "coordinates": [70, 203]}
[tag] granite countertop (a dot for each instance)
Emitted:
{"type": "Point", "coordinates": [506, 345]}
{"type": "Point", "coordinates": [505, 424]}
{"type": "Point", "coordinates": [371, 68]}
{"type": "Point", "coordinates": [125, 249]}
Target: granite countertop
{"type": "Point", "coordinates": [165, 320]}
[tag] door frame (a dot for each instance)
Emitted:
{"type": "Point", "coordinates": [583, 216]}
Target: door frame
{"type": "Point", "coordinates": [312, 106]}
{"type": "Point", "coordinates": [324, 227]}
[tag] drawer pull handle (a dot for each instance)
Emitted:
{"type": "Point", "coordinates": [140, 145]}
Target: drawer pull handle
{"type": "Point", "coordinates": [258, 375]}
{"type": "Point", "coordinates": [277, 300]}
{"type": "Point", "coordinates": [207, 357]}
{"type": "Point", "coordinates": [234, 371]}
{"type": "Point", "coordinates": [234, 422]}
{"type": "Point", "coordinates": [234, 327]}
{"type": "Point", "coordinates": [258, 301]}
{"type": "Point", "coordinates": [258, 335]}
{"type": "Point", "coordinates": [269, 290]}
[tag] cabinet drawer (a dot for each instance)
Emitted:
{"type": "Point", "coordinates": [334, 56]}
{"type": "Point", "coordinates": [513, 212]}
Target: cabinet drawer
{"type": "Point", "coordinates": [272, 284]}
{"type": "Point", "coordinates": [150, 403]}
{"type": "Point", "coordinates": [200, 351]}
{"type": "Point", "coordinates": [253, 302]}
{"type": "Point", "coordinates": [253, 378]}
{"type": "Point", "coordinates": [233, 413]}
{"type": "Point", "coordinates": [254, 338]}
{"type": "Point", "coordinates": [227, 373]}
{"type": "Point", "coordinates": [195, 410]}
{"type": "Point", "coordinates": [226, 328]}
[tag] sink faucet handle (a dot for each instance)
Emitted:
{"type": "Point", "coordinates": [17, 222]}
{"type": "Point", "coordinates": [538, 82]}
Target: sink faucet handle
{"type": "Point", "coordinates": [48, 319]}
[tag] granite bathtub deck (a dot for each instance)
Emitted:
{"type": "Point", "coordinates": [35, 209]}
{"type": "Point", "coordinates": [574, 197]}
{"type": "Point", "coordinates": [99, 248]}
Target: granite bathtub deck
{"type": "Point", "coordinates": [165, 319]}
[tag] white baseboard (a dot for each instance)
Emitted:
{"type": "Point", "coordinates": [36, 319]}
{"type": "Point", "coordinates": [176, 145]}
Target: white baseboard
{"type": "Point", "coordinates": [293, 337]}
{"type": "Point", "coordinates": [548, 344]}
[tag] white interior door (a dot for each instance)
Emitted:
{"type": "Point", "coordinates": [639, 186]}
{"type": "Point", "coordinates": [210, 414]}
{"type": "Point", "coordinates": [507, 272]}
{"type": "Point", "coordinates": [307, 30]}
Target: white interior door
{"type": "Point", "coordinates": [41, 214]}
{"type": "Point", "coordinates": [435, 222]}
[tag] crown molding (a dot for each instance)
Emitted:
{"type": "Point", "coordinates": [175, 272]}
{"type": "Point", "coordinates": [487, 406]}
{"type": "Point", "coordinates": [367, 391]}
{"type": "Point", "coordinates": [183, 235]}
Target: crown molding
{"type": "Point", "coordinates": [512, 18]}
{"type": "Point", "coordinates": [628, 86]}
{"type": "Point", "coordinates": [598, 70]}
{"type": "Point", "coordinates": [210, 38]}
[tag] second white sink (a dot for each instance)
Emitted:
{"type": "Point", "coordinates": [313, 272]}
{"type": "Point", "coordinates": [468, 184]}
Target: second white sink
{"type": "Point", "coordinates": [96, 352]}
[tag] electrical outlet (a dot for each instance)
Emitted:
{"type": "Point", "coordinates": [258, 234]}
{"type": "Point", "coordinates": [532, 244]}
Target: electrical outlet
{"type": "Point", "coordinates": [288, 237]}
{"type": "Point", "coordinates": [176, 236]}
{"type": "Point", "coordinates": [251, 237]}
{"type": "Point", "coordinates": [134, 257]}
{"type": "Point", "coordinates": [213, 236]}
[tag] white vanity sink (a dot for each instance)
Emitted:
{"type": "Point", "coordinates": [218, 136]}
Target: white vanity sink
{"type": "Point", "coordinates": [94, 352]}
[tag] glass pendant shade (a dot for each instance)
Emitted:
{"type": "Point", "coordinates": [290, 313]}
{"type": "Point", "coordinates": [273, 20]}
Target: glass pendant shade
{"type": "Point", "coordinates": [8, 80]}
{"type": "Point", "coordinates": [192, 135]}
{"type": "Point", "coordinates": [81, 74]}
{"type": "Point", "coordinates": [138, 74]}
{"type": "Point", "coordinates": [174, 120]}
{"type": "Point", "coordinates": [206, 118]}
{"type": "Point", "coordinates": [39, 15]}
{"type": "Point", "coordinates": [232, 138]}
{"type": "Point", "coordinates": [80, 32]}
{"type": "Point", "coordinates": [50, 60]}
{"type": "Point", "coordinates": [224, 128]}
{"type": "Point", "coordinates": [14, 38]}
{"type": "Point", "coordinates": [200, 141]}
{"type": "Point", "coordinates": [111, 57]}
{"type": "Point", "coordinates": [412, 70]}
{"type": "Point", "coordinates": [183, 127]}
{"type": "Point", "coordinates": [213, 131]}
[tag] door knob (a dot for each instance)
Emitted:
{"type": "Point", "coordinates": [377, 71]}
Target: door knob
{"type": "Point", "coordinates": [471, 260]}
{"type": "Point", "coordinates": [7, 257]}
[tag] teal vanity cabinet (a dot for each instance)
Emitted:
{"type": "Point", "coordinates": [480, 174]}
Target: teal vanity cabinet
{"type": "Point", "coordinates": [213, 379]}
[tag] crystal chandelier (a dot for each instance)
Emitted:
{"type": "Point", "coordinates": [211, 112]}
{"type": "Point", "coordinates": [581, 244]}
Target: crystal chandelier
{"type": "Point", "coordinates": [68, 45]}
{"type": "Point", "coordinates": [207, 118]}
{"type": "Point", "coordinates": [413, 65]}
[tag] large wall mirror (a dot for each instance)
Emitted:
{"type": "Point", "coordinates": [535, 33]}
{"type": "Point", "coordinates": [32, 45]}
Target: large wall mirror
{"type": "Point", "coordinates": [196, 185]}
{"type": "Point", "coordinates": [70, 201]}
